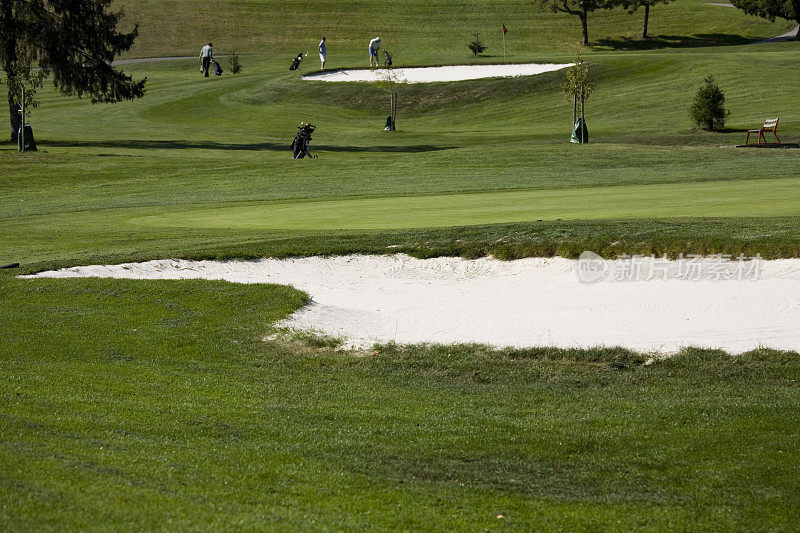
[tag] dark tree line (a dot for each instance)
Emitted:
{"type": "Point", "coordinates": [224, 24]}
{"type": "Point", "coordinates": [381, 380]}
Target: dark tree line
{"type": "Point", "coordinates": [73, 41]}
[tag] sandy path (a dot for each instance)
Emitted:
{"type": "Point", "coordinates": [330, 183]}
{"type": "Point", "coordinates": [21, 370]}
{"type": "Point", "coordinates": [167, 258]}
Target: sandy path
{"type": "Point", "coordinates": [529, 302]}
{"type": "Point", "coordinates": [788, 36]}
{"type": "Point", "coordinates": [149, 60]}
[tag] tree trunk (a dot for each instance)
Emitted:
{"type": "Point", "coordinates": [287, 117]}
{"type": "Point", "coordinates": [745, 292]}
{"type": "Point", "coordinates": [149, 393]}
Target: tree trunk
{"type": "Point", "coordinates": [10, 54]}
{"type": "Point", "coordinates": [584, 139]}
{"type": "Point", "coordinates": [646, 20]}
{"type": "Point", "coordinates": [16, 117]}
{"type": "Point", "coordinates": [584, 27]}
{"type": "Point", "coordinates": [574, 110]}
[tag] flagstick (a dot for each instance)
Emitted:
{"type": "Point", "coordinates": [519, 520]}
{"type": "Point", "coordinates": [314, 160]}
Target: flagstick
{"type": "Point", "coordinates": [504, 44]}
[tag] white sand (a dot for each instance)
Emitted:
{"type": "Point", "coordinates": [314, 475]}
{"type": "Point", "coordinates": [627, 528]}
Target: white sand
{"type": "Point", "coordinates": [529, 302]}
{"type": "Point", "coordinates": [432, 74]}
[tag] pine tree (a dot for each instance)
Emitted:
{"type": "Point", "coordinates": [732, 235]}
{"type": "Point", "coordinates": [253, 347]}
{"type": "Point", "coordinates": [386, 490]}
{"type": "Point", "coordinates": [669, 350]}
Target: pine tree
{"type": "Point", "coordinates": [708, 108]}
{"type": "Point", "coordinates": [74, 41]}
{"type": "Point", "coordinates": [476, 46]}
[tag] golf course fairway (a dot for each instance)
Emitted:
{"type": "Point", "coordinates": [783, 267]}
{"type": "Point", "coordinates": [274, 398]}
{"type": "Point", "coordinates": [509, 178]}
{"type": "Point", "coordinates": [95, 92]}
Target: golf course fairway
{"type": "Point", "coordinates": [743, 198]}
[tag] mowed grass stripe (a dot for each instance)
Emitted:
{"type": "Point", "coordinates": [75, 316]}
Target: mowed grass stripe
{"type": "Point", "coordinates": [776, 197]}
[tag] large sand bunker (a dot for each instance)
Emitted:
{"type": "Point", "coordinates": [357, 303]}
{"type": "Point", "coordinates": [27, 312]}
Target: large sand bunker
{"type": "Point", "coordinates": [434, 74]}
{"type": "Point", "coordinates": [529, 302]}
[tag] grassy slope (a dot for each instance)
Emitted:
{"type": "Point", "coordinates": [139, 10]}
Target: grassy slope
{"type": "Point", "coordinates": [419, 30]}
{"type": "Point", "coordinates": [157, 405]}
{"type": "Point", "coordinates": [195, 144]}
{"type": "Point", "coordinates": [198, 144]}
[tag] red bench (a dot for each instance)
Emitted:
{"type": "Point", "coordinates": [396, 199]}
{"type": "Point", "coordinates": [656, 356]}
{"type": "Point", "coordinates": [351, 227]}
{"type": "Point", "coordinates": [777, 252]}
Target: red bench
{"type": "Point", "coordinates": [770, 126]}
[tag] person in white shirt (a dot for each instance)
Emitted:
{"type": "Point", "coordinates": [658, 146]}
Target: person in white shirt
{"type": "Point", "coordinates": [323, 52]}
{"type": "Point", "coordinates": [374, 46]}
{"type": "Point", "coordinates": [206, 56]}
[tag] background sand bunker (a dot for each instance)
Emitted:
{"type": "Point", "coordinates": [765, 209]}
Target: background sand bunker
{"type": "Point", "coordinates": [529, 302]}
{"type": "Point", "coordinates": [434, 74]}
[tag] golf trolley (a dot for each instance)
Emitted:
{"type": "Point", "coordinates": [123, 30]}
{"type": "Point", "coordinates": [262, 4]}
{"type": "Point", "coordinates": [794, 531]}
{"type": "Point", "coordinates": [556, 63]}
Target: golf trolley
{"type": "Point", "coordinates": [302, 140]}
{"type": "Point", "coordinates": [296, 61]}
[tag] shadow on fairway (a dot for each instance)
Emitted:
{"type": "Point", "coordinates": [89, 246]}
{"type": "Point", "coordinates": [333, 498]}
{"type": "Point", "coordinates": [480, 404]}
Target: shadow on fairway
{"type": "Point", "coordinates": [211, 145]}
{"type": "Point", "coordinates": [674, 41]}
{"type": "Point", "coordinates": [400, 148]}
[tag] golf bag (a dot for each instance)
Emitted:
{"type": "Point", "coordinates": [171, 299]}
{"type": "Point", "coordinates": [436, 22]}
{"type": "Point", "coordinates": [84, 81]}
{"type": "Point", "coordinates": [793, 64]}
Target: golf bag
{"type": "Point", "coordinates": [296, 62]}
{"type": "Point", "coordinates": [302, 140]}
{"type": "Point", "coordinates": [387, 59]}
{"type": "Point", "coordinates": [217, 68]}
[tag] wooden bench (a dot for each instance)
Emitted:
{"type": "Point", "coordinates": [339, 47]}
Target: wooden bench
{"type": "Point", "coordinates": [770, 126]}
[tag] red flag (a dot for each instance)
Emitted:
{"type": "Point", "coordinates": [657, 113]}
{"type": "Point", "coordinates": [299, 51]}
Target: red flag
{"type": "Point", "coordinates": [504, 29]}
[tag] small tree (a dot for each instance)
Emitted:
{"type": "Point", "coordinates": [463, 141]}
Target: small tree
{"type": "Point", "coordinates": [577, 88]}
{"type": "Point", "coordinates": [708, 109]}
{"type": "Point", "coordinates": [389, 79]}
{"type": "Point", "coordinates": [233, 59]}
{"type": "Point", "coordinates": [23, 80]}
{"type": "Point", "coordinates": [23, 83]}
{"type": "Point", "coordinates": [476, 46]}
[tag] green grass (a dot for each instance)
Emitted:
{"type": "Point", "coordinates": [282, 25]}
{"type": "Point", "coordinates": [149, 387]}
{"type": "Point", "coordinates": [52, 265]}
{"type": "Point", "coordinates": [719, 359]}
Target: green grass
{"type": "Point", "coordinates": [157, 405]}
{"type": "Point", "coordinates": [730, 198]}
{"type": "Point", "coordinates": [196, 149]}
{"type": "Point", "coordinates": [160, 405]}
{"type": "Point", "coordinates": [437, 31]}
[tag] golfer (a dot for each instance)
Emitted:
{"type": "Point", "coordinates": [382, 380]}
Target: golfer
{"type": "Point", "coordinates": [374, 46]}
{"type": "Point", "coordinates": [206, 56]}
{"type": "Point", "coordinates": [323, 52]}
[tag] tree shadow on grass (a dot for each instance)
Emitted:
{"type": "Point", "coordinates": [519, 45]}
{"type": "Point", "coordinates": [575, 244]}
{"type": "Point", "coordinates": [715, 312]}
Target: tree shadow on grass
{"type": "Point", "coordinates": [417, 148]}
{"type": "Point", "coordinates": [212, 145]}
{"type": "Point", "coordinates": [675, 41]}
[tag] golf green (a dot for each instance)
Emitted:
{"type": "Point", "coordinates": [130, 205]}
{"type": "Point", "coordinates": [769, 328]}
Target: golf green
{"type": "Point", "coordinates": [776, 197]}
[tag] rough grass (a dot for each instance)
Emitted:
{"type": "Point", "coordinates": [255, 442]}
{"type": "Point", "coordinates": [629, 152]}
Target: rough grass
{"type": "Point", "coordinates": [153, 405]}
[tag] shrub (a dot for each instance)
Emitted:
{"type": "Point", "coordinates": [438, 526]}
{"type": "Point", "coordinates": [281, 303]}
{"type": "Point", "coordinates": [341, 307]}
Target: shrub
{"type": "Point", "coordinates": [708, 109]}
{"type": "Point", "coordinates": [233, 58]}
{"type": "Point", "coordinates": [476, 46]}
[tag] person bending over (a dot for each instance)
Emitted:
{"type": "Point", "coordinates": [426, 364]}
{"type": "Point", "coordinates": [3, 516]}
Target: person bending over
{"type": "Point", "coordinates": [374, 47]}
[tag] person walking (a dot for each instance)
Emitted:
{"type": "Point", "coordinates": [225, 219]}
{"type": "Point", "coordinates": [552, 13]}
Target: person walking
{"type": "Point", "coordinates": [374, 47]}
{"type": "Point", "coordinates": [206, 56]}
{"type": "Point", "coordinates": [323, 52]}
